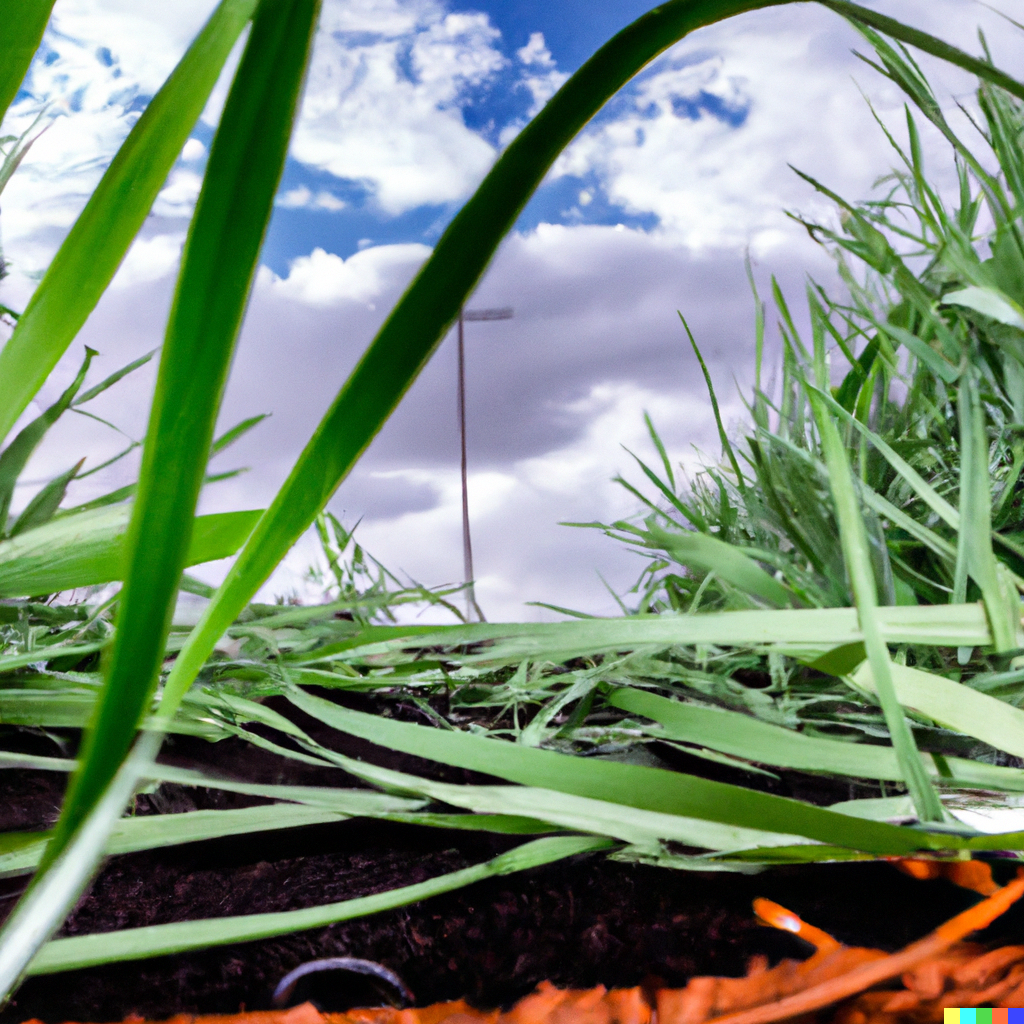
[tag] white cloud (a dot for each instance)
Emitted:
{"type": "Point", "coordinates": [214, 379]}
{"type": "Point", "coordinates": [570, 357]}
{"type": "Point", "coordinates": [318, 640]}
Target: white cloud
{"type": "Point", "coordinates": [295, 198]}
{"type": "Point", "coordinates": [324, 279]}
{"type": "Point", "coordinates": [178, 197]}
{"type": "Point", "coordinates": [553, 394]}
{"type": "Point", "coordinates": [99, 64]}
{"type": "Point", "coordinates": [304, 198]}
{"type": "Point", "coordinates": [381, 106]}
{"type": "Point", "coordinates": [520, 551]}
{"type": "Point", "coordinates": [149, 259]}
{"type": "Point", "coordinates": [193, 151]}
{"type": "Point", "coordinates": [536, 52]}
{"type": "Point", "coordinates": [542, 78]}
{"type": "Point", "coordinates": [703, 140]}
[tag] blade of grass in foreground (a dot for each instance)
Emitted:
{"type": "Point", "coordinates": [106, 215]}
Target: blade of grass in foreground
{"type": "Point", "coordinates": [160, 940]}
{"type": "Point", "coordinates": [156, 831]}
{"type": "Point", "coordinates": [857, 558]}
{"type": "Point", "coordinates": [217, 271]}
{"type": "Point", "coordinates": [21, 31]}
{"type": "Point", "coordinates": [95, 246]}
{"type": "Point", "coordinates": [743, 736]}
{"type": "Point", "coordinates": [218, 267]}
{"type": "Point", "coordinates": [86, 549]}
{"type": "Point", "coordinates": [494, 644]}
{"type": "Point", "coordinates": [651, 789]}
{"type": "Point", "coordinates": [430, 305]}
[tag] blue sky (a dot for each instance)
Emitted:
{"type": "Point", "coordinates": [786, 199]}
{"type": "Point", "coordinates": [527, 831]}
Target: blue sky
{"type": "Point", "coordinates": [651, 210]}
{"type": "Point", "coordinates": [571, 32]}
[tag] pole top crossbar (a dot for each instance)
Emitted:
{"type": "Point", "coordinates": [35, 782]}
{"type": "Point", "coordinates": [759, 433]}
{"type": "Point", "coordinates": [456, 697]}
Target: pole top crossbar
{"type": "Point", "coordinates": [502, 313]}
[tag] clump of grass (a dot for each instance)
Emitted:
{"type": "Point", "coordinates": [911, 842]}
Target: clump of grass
{"type": "Point", "coordinates": [910, 352]}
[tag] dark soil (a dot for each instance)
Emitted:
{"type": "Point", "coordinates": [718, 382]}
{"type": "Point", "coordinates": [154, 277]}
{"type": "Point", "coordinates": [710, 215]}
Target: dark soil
{"type": "Point", "coordinates": [577, 923]}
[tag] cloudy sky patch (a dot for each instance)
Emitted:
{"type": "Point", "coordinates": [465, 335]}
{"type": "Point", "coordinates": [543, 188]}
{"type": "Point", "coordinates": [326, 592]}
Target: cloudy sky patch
{"type": "Point", "coordinates": [649, 212]}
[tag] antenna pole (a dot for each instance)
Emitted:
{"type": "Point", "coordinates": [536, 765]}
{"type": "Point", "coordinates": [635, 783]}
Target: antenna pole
{"type": "Point", "coordinates": [467, 545]}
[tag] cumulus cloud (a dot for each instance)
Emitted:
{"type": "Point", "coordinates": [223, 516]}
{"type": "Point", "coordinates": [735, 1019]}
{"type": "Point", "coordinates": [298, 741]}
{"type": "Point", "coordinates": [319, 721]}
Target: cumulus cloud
{"type": "Point", "coordinates": [302, 198]}
{"type": "Point", "coordinates": [704, 138]}
{"type": "Point", "coordinates": [381, 109]}
{"type": "Point", "coordinates": [553, 394]}
{"type": "Point", "coordinates": [324, 279]}
{"type": "Point", "coordinates": [149, 259]}
{"type": "Point", "coordinates": [542, 78]}
{"type": "Point", "coordinates": [382, 102]}
{"type": "Point", "coordinates": [193, 151]}
{"type": "Point", "coordinates": [98, 67]}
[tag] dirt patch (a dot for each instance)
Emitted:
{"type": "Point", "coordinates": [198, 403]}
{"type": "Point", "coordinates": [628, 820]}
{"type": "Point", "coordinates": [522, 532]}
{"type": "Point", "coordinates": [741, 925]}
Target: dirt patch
{"type": "Point", "coordinates": [578, 924]}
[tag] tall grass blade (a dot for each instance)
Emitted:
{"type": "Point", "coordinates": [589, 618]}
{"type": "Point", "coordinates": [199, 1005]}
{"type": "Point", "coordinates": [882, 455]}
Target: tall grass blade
{"type": "Point", "coordinates": [161, 940]}
{"type": "Point", "coordinates": [218, 267]}
{"type": "Point", "coordinates": [857, 557]}
{"type": "Point", "coordinates": [21, 31]}
{"type": "Point", "coordinates": [650, 789]}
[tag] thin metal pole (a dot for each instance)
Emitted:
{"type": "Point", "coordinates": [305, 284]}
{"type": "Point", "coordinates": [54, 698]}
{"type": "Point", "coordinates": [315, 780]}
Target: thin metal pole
{"type": "Point", "coordinates": [467, 546]}
{"type": "Point", "coordinates": [504, 313]}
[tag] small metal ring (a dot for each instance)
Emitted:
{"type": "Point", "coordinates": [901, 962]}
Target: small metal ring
{"type": "Point", "coordinates": [287, 984]}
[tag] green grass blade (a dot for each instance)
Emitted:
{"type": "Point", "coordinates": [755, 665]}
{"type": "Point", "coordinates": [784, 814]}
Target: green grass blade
{"type": "Point", "coordinates": [40, 510]}
{"type": "Point", "coordinates": [229, 437]}
{"type": "Point", "coordinates": [650, 789]}
{"type": "Point", "coordinates": [974, 550]}
{"type": "Point", "coordinates": [160, 940]}
{"type": "Point", "coordinates": [11, 662]}
{"type": "Point", "coordinates": [162, 830]}
{"type": "Point", "coordinates": [218, 266]}
{"type": "Point", "coordinates": [107, 382]}
{"type": "Point", "coordinates": [582, 814]}
{"type": "Point", "coordinates": [954, 706]}
{"type": "Point", "coordinates": [19, 451]}
{"type": "Point", "coordinates": [989, 301]}
{"type": "Point", "coordinates": [95, 246]}
{"type": "Point", "coordinates": [723, 437]}
{"type": "Point", "coordinates": [727, 561]}
{"type": "Point", "coordinates": [827, 628]}
{"type": "Point", "coordinates": [857, 557]}
{"type": "Point", "coordinates": [929, 44]}
{"type": "Point", "coordinates": [88, 549]}
{"type": "Point", "coordinates": [21, 31]}
{"type": "Point", "coordinates": [747, 737]}
{"type": "Point", "coordinates": [659, 445]}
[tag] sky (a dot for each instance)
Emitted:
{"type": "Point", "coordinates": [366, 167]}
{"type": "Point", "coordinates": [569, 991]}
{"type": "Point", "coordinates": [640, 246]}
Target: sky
{"type": "Point", "coordinates": [651, 212]}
